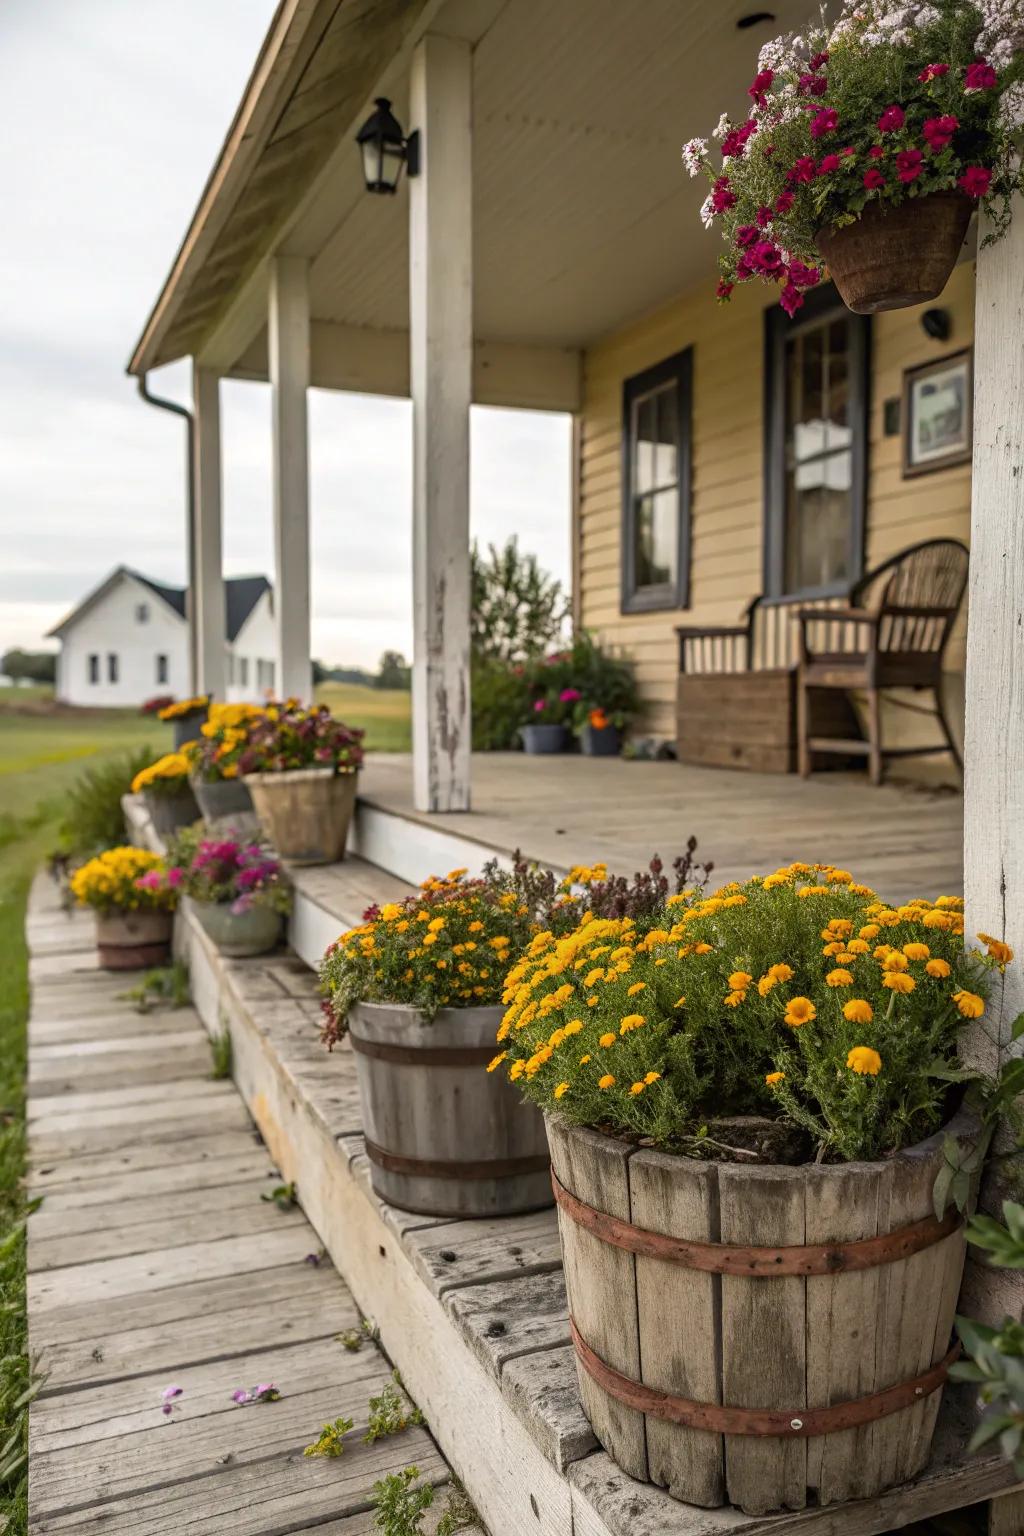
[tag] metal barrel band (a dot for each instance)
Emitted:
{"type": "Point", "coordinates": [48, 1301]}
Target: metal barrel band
{"type": "Point", "coordinates": [757, 1262]}
{"type": "Point", "coordinates": [433, 1168]}
{"type": "Point", "coordinates": [427, 1056]}
{"type": "Point", "coordinates": [782, 1423]}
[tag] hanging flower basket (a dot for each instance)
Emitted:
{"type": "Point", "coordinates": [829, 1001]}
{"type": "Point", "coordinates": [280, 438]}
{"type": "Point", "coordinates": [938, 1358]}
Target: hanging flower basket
{"type": "Point", "coordinates": [866, 145]}
{"type": "Point", "coordinates": [893, 257]}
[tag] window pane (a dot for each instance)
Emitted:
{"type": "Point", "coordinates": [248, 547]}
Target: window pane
{"type": "Point", "coordinates": [818, 523]}
{"type": "Point", "coordinates": [666, 457]}
{"type": "Point", "coordinates": [646, 420]}
{"type": "Point", "coordinates": [805, 397]}
{"type": "Point", "coordinates": [655, 443]}
{"type": "Point", "coordinates": [657, 538]}
{"type": "Point", "coordinates": [838, 433]}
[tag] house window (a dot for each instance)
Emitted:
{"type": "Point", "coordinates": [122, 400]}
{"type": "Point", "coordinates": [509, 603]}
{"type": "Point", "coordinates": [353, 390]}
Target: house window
{"type": "Point", "coordinates": [656, 486]}
{"type": "Point", "coordinates": [162, 669]}
{"type": "Point", "coordinates": [816, 384]}
{"type": "Point", "coordinates": [142, 613]}
{"type": "Point", "coordinates": [112, 667]}
{"type": "Point", "coordinates": [265, 676]}
{"type": "Point", "coordinates": [94, 669]}
{"type": "Point", "coordinates": [243, 671]}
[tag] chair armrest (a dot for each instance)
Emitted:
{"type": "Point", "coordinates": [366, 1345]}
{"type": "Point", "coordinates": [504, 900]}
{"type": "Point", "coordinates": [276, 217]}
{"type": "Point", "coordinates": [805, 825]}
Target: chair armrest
{"type": "Point", "coordinates": [843, 615]}
{"type": "Point", "coordinates": [710, 631]}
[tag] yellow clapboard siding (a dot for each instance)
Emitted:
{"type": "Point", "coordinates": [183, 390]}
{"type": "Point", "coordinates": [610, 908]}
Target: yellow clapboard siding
{"type": "Point", "coordinates": [727, 450]}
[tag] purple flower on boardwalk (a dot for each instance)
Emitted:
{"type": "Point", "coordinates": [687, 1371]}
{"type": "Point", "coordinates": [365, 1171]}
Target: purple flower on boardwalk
{"type": "Point", "coordinates": [169, 1397]}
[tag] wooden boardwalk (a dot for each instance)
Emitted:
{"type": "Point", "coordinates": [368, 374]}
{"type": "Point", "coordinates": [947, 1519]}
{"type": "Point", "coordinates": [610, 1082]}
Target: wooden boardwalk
{"type": "Point", "coordinates": [154, 1262]}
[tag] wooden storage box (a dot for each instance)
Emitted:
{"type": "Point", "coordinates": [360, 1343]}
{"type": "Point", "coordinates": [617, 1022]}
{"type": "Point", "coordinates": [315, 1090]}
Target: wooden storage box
{"type": "Point", "coordinates": [748, 719]}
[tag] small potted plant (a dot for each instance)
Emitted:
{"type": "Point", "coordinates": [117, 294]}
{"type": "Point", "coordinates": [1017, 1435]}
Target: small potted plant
{"type": "Point", "coordinates": [301, 767]}
{"type": "Point", "coordinates": [186, 717]}
{"type": "Point", "coordinates": [166, 788]}
{"type": "Point", "coordinates": [867, 145]}
{"type": "Point", "coordinates": [600, 733]}
{"type": "Point", "coordinates": [417, 987]}
{"type": "Point", "coordinates": [548, 727]}
{"type": "Point", "coordinates": [221, 793]}
{"type": "Point", "coordinates": [746, 1131]}
{"type": "Point", "coordinates": [236, 890]}
{"type": "Point", "coordinates": [133, 895]}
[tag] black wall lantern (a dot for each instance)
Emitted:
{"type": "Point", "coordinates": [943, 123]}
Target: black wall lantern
{"type": "Point", "coordinates": [385, 149]}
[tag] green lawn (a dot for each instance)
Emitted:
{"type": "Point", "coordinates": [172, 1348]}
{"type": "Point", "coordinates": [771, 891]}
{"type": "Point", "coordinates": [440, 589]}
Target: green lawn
{"type": "Point", "coordinates": [385, 714]}
{"type": "Point", "coordinates": [40, 755]}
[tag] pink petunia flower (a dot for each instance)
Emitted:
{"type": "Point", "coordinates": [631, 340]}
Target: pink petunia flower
{"type": "Point", "coordinates": [723, 290]}
{"type": "Point", "coordinates": [980, 76]}
{"type": "Point", "coordinates": [539, 705]}
{"type": "Point", "coordinates": [892, 119]}
{"type": "Point", "coordinates": [763, 216]}
{"type": "Point", "coordinates": [937, 131]}
{"type": "Point", "coordinates": [828, 164]}
{"type": "Point", "coordinates": [745, 235]}
{"type": "Point", "coordinates": [876, 152]}
{"type": "Point", "coordinates": [812, 85]}
{"type": "Point", "coordinates": [819, 61]}
{"type": "Point", "coordinates": [791, 299]}
{"type": "Point", "coordinates": [933, 72]}
{"type": "Point", "coordinates": [766, 258]}
{"type": "Point", "coordinates": [908, 165]}
{"type": "Point", "coordinates": [761, 85]}
{"type": "Point", "coordinates": [873, 179]}
{"type": "Point", "coordinates": [824, 121]}
{"type": "Point", "coordinates": [801, 170]}
{"type": "Point", "coordinates": [975, 181]}
{"type": "Point", "coordinates": [802, 276]}
{"type": "Point", "coordinates": [784, 202]}
{"type": "Point", "coordinates": [569, 695]}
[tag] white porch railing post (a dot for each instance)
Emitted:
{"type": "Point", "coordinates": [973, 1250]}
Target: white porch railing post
{"type": "Point", "coordinates": [994, 746]}
{"type": "Point", "coordinates": [441, 363]}
{"type": "Point", "coordinates": [288, 347]}
{"type": "Point", "coordinates": [207, 611]}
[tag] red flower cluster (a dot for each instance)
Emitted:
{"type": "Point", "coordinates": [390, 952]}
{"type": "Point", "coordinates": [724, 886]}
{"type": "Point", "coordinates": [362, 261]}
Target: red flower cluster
{"type": "Point", "coordinates": [735, 140]}
{"type": "Point", "coordinates": [979, 76]}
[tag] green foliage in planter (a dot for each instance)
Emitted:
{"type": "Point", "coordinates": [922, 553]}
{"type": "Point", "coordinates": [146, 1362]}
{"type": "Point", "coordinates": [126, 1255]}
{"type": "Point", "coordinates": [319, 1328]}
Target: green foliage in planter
{"type": "Point", "coordinates": [93, 819]}
{"type": "Point", "coordinates": [798, 996]}
{"type": "Point", "coordinates": [996, 1363]}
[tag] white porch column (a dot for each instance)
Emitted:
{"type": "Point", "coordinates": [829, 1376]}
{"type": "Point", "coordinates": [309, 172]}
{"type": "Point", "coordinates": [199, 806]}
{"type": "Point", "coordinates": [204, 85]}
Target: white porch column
{"type": "Point", "coordinates": [441, 361]}
{"type": "Point", "coordinates": [207, 612]}
{"type": "Point", "coordinates": [994, 746]}
{"type": "Point", "coordinates": [288, 346]}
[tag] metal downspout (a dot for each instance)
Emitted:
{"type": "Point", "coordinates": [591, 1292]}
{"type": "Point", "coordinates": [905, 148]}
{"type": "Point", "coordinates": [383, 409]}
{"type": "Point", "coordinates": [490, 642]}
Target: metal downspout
{"type": "Point", "coordinates": [190, 515]}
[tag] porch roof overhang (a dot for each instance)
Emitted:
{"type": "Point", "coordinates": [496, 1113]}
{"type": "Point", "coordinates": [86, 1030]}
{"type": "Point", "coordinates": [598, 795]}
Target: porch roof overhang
{"type": "Point", "coordinates": [583, 218]}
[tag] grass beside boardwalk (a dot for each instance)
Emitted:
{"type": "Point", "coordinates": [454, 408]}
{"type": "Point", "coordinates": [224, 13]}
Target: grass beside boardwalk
{"type": "Point", "coordinates": [40, 756]}
{"type": "Point", "coordinates": [385, 714]}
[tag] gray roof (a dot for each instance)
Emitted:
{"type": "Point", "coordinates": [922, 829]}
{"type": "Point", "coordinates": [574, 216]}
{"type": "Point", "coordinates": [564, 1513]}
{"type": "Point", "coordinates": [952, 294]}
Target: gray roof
{"type": "Point", "coordinates": [241, 594]}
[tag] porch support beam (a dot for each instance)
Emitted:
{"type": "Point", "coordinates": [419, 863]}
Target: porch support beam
{"type": "Point", "coordinates": [441, 368]}
{"type": "Point", "coordinates": [207, 609]}
{"type": "Point", "coordinates": [994, 744]}
{"type": "Point", "coordinates": [288, 349]}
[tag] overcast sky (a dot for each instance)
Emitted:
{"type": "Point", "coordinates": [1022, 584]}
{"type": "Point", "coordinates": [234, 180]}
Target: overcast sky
{"type": "Point", "coordinates": [111, 114]}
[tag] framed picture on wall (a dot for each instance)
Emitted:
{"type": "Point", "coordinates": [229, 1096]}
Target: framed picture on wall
{"type": "Point", "coordinates": [937, 404]}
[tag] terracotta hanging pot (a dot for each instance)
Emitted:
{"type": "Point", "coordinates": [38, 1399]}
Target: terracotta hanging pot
{"type": "Point", "coordinates": [894, 257]}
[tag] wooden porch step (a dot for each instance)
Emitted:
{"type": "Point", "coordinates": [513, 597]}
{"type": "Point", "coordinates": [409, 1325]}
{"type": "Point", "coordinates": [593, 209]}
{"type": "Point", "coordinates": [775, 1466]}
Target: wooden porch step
{"type": "Point", "coordinates": [474, 1312]}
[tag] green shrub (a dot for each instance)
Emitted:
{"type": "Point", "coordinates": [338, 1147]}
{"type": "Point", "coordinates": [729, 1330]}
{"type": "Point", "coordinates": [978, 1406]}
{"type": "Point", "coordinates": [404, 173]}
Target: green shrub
{"type": "Point", "coordinates": [518, 610]}
{"type": "Point", "coordinates": [93, 818]}
{"type": "Point", "coordinates": [501, 701]}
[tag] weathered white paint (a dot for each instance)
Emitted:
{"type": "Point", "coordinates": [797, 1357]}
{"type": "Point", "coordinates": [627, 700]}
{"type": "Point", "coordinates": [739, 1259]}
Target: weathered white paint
{"type": "Point", "coordinates": [288, 345]}
{"type": "Point", "coordinates": [994, 743]}
{"type": "Point", "coordinates": [131, 623]}
{"type": "Point", "coordinates": [208, 607]}
{"type": "Point", "coordinates": [369, 361]}
{"type": "Point", "coordinates": [441, 362]}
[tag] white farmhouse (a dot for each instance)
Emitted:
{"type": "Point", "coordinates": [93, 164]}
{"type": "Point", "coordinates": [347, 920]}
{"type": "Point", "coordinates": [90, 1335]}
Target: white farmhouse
{"type": "Point", "coordinates": [128, 641]}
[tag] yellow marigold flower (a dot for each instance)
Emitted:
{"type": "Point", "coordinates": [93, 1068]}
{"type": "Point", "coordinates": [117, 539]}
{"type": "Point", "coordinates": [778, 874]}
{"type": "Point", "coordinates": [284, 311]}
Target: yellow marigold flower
{"type": "Point", "coordinates": [1000, 952]}
{"type": "Point", "coordinates": [389, 911]}
{"type": "Point", "coordinates": [556, 1039]}
{"type": "Point", "coordinates": [937, 967]}
{"type": "Point", "coordinates": [560, 1089]}
{"type": "Point", "coordinates": [835, 948]}
{"type": "Point", "coordinates": [839, 978]}
{"type": "Point", "coordinates": [949, 901]}
{"type": "Point", "coordinates": [403, 926]}
{"type": "Point", "coordinates": [887, 917]}
{"type": "Point", "coordinates": [636, 1088]}
{"type": "Point", "coordinates": [766, 983]}
{"type": "Point", "coordinates": [837, 928]}
{"type": "Point", "coordinates": [898, 981]}
{"type": "Point", "coordinates": [895, 960]}
{"type": "Point", "coordinates": [936, 919]}
{"type": "Point", "coordinates": [631, 1021]}
{"type": "Point", "coordinates": [680, 1002]}
{"type": "Point", "coordinates": [651, 1077]}
{"type": "Point", "coordinates": [733, 999]}
{"type": "Point", "coordinates": [637, 986]}
{"type": "Point", "coordinates": [435, 925]}
{"type": "Point", "coordinates": [775, 1077]}
{"type": "Point", "coordinates": [607, 1081]}
{"type": "Point", "coordinates": [858, 1011]}
{"type": "Point", "coordinates": [573, 1027]}
{"type": "Point", "coordinates": [739, 981]}
{"type": "Point", "coordinates": [584, 1059]}
{"type": "Point", "coordinates": [881, 950]}
{"type": "Point", "coordinates": [592, 1002]}
{"type": "Point", "coordinates": [800, 1010]}
{"type": "Point", "coordinates": [430, 938]}
{"type": "Point", "coordinates": [869, 931]}
{"type": "Point", "coordinates": [864, 1061]}
{"type": "Point", "coordinates": [858, 946]}
{"type": "Point", "coordinates": [493, 1065]}
{"type": "Point", "coordinates": [781, 972]}
{"type": "Point", "coordinates": [703, 949]}
{"type": "Point", "coordinates": [608, 1040]}
{"type": "Point", "coordinates": [969, 1004]}
{"type": "Point", "coordinates": [516, 1069]}
{"type": "Point", "coordinates": [916, 951]}
{"type": "Point", "coordinates": [593, 977]}
{"type": "Point", "coordinates": [456, 874]}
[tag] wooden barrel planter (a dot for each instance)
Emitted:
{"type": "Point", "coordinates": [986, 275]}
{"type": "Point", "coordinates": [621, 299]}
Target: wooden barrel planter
{"type": "Point", "coordinates": [305, 812]}
{"type": "Point", "coordinates": [765, 1336]}
{"type": "Point", "coordinates": [133, 941]}
{"type": "Point", "coordinates": [445, 1137]}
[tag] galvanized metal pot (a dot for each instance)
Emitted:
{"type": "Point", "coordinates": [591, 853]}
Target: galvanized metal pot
{"type": "Point", "coordinates": [220, 799]}
{"type": "Point", "coordinates": [239, 934]}
{"type": "Point", "coordinates": [169, 813]}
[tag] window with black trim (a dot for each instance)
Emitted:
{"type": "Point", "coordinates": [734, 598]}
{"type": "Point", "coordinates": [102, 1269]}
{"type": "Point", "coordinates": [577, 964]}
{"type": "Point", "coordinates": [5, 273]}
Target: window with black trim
{"type": "Point", "coordinates": [94, 668]}
{"type": "Point", "coordinates": [162, 668]}
{"type": "Point", "coordinates": [816, 414]}
{"type": "Point", "coordinates": [656, 411]}
{"type": "Point", "coordinates": [112, 667]}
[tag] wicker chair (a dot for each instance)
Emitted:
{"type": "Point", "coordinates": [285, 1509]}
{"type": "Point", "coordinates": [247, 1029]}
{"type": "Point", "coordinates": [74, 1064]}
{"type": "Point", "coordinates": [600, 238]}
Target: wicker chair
{"type": "Point", "coordinates": [893, 633]}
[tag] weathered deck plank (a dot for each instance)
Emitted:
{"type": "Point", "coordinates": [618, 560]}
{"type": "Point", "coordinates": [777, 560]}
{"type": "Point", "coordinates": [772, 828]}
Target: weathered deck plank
{"type": "Point", "coordinates": [154, 1261]}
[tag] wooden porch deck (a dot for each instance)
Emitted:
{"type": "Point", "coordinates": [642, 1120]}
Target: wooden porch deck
{"type": "Point", "coordinates": [154, 1261]}
{"type": "Point", "coordinates": [903, 839]}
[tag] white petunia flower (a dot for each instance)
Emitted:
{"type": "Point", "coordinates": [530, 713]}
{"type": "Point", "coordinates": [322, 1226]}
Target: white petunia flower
{"type": "Point", "coordinates": [694, 153]}
{"type": "Point", "coordinates": [722, 127]}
